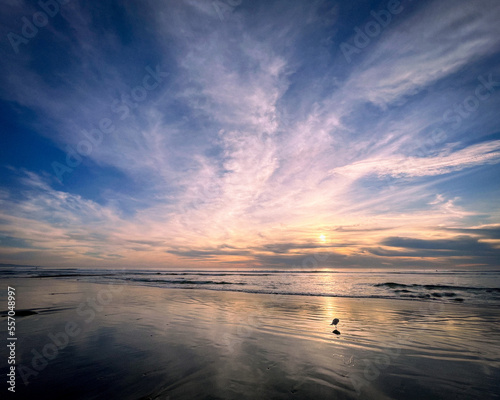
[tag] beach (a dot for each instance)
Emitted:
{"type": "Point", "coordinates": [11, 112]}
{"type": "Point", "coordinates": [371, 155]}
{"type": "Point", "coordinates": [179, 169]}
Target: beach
{"type": "Point", "coordinates": [238, 200]}
{"type": "Point", "coordinates": [85, 340]}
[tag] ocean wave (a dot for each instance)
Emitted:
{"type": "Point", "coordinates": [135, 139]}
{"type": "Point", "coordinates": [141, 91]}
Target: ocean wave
{"type": "Point", "coordinates": [376, 285]}
{"type": "Point", "coordinates": [417, 298]}
{"type": "Point", "coordinates": [183, 282]}
{"type": "Point", "coordinates": [399, 286]}
{"type": "Point", "coordinates": [240, 288]}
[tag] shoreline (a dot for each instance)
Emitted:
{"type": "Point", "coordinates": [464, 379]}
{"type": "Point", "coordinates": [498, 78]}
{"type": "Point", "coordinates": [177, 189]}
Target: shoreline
{"type": "Point", "coordinates": [182, 343]}
{"type": "Point", "coordinates": [423, 300]}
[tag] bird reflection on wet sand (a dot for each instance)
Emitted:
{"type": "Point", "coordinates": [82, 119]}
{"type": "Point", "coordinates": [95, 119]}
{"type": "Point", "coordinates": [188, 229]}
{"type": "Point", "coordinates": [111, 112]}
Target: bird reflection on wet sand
{"type": "Point", "coordinates": [335, 322]}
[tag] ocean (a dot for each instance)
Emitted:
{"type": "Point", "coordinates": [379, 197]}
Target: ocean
{"type": "Point", "coordinates": [470, 287]}
{"type": "Point", "coordinates": [147, 334]}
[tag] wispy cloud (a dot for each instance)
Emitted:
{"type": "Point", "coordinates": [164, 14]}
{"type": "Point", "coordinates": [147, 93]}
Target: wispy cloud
{"type": "Point", "coordinates": [400, 166]}
{"type": "Point", "coordinates": [261, 147]}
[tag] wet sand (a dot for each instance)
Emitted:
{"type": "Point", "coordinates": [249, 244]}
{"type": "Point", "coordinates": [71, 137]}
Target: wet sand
{"type": "Point", "coordinates": [131, 342]}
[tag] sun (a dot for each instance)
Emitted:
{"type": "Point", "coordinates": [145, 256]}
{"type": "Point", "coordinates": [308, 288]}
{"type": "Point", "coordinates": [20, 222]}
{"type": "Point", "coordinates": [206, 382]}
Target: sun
{"type": "Point", "coordinates": [322, 238]}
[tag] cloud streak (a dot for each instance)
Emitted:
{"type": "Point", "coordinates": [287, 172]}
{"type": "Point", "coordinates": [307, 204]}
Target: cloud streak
{"type": "Point", "coordinates": [262, 147]}
{"type": "Point", "coordinates": [486, 153]}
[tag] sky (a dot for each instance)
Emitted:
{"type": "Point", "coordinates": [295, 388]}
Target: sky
{"type": "Point", "coordinates": [238, 134]}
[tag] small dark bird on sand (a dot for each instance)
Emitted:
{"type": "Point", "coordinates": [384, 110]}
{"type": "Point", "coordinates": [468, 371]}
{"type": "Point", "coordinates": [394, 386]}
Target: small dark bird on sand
{"type": "Point", "coordinates": [336, 332]}
{"type": "Point", "coordinates": [335, 322]}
